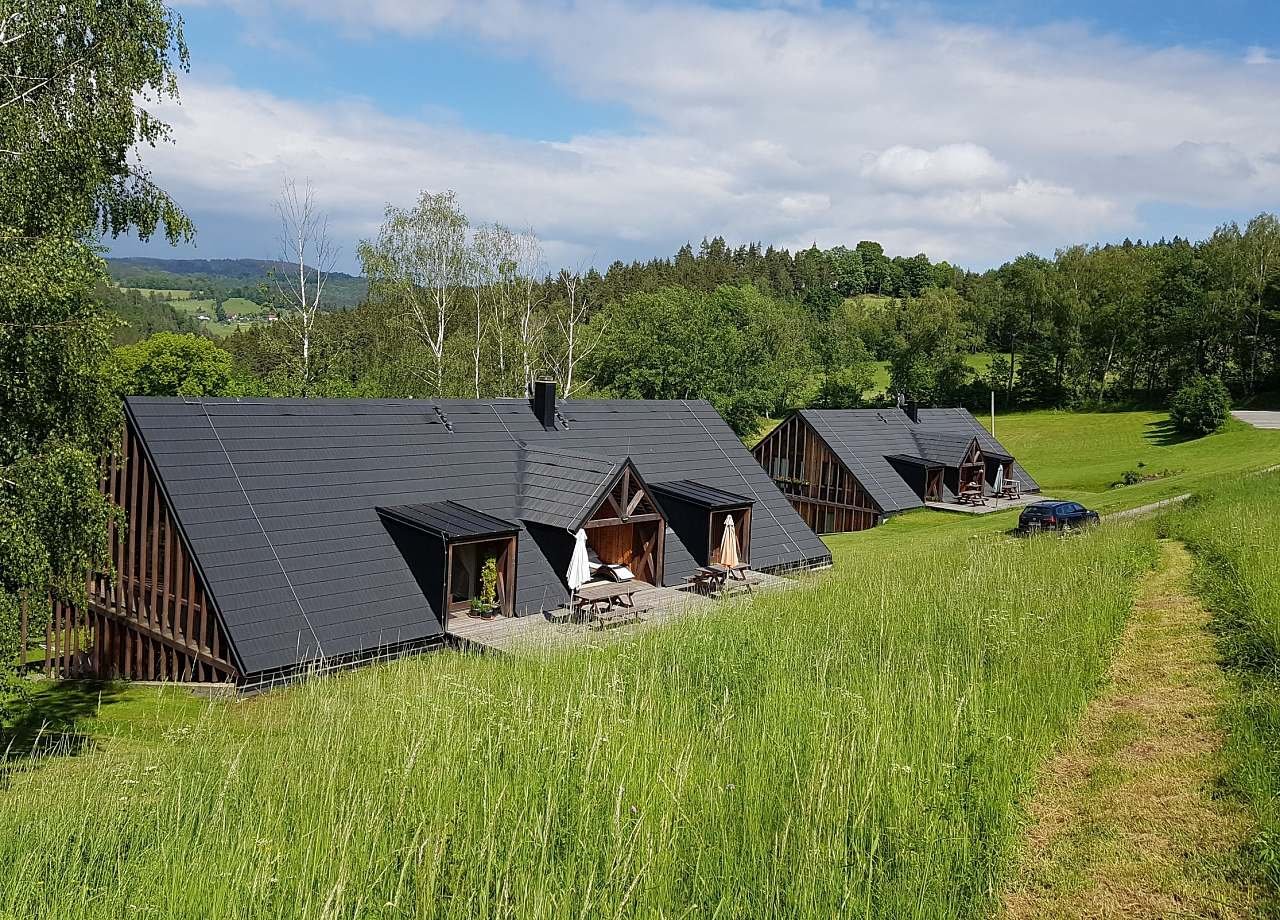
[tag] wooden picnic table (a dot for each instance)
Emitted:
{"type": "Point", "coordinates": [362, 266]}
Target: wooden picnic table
{"type": "Point", "coordinates": [715, 579]}
{"type": "Point", "coordinates": [708, 578]}
{"type": "Point", "coordinates": [738, 572]}
{"type": "Point", "coordinates": [972, 495]}
{"type": "Point", "coordinates": [607, 599]}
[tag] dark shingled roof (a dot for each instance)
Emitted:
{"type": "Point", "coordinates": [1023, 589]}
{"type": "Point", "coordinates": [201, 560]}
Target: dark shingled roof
{"type": "Point", "coordinates": [942, 447]}
{"type": "Point", "coordinates": [449, 520]}
{"type": "Point", "coordinates": [279, 500]}
{"type": "Point", "coordinates": [695, 493]}
{"type": "Point", "coordinates": [560, 488]}
{"type": "Point", "coordinates": [866, 439]}
{"type": "Point", "coordinates": [916, 461]}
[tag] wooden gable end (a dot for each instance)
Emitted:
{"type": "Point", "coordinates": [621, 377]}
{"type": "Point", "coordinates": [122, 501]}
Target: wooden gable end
{"type": "Point", "coordinates": [819, 485]}
{"type": "Point", "coordinates": [628, 526]}
{"type": "Point", "coordinates": [154, 620]}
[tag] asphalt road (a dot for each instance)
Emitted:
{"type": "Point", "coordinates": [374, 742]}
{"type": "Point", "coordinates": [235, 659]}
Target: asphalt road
{"type": "Point", "coordinates": [1259, 419]}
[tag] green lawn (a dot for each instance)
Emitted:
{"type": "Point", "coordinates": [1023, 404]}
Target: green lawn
{"type": "Point", "coordinates": [239, 305]}
{"type": "Point", "coordinates": [243, 306]}
{"type": "Point", "coordinates": [1079, 455]}
{"type": "Point", "coordinates": [855, 746]}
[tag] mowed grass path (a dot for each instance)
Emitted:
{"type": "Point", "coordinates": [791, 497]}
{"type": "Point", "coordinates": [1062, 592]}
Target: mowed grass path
{"type": "Point", "coordinates": [1127, 820]}
{"type": "Point", "coordinates": [855, 747]}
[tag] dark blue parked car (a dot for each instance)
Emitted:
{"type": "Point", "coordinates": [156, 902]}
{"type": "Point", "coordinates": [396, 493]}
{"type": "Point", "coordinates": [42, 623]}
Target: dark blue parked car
{"type": "Point", "coordinates": [1055, 516]}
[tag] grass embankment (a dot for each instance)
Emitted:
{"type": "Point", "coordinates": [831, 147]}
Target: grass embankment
{"type": "Point", "coordinates": [855, 747]}
{"type": "Point", "coordinates": [1235, 535]}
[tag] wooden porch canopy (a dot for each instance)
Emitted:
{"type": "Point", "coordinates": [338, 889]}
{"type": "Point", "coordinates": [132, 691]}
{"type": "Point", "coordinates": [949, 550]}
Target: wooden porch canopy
{"type": "Point", "coordinates": [697, 512]}
{"type": "Point", "coordinates": [924, 476]}
{"type": "Point", "coordinates": [605, 496]}
{"type": "Point", "coordinates": [916, 461]}
{"type": "Point", "coordinates": [450, 520]}
{"type": "Point", "coordinates": [450, 528]}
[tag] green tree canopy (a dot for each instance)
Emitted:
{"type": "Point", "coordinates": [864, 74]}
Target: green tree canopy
{"type": "Point", "coordinates": [77, 76]}
{"type": "Point", "coordinates": [181, 364]}
{"type": "Point", "coordinates": [75, 79]}
{"type": "Point", "coordinates": [927, 363]}
{"type": "Point", "coordinates": [735, 347]}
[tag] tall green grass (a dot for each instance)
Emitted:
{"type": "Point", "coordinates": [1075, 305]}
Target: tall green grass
{"type": "Point", "coordinates": [1235, 533]}
{"type": "Point", "coordinates": [857, 746]}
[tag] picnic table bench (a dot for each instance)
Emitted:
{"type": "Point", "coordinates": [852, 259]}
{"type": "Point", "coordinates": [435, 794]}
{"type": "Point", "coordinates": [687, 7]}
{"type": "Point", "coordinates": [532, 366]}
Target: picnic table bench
{"type": "Point", "coordinates": [716, 579]}
{"type": "Point", "coordinates": [606, 602]}
{"type": "Point", "coordinates": [972, 495]}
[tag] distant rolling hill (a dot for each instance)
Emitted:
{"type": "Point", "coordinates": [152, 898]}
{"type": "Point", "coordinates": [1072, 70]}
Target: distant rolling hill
{"type": "Point", "coordinates": [225, 278]}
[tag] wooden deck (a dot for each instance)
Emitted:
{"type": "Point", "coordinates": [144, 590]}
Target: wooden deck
{"type": "Point", "coordinates": [556, 629]}
{"type": "Point", "coordinates": [991, 507]}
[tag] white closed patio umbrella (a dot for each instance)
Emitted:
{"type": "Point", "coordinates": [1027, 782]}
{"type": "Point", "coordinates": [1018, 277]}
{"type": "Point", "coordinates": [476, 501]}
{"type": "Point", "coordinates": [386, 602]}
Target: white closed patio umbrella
{"type": "Point", "coordinates": [729, 543]}
{"type": "Point", "coordinates": [998, 488]}
{"type": "Point", "coordinates": [579, 565]}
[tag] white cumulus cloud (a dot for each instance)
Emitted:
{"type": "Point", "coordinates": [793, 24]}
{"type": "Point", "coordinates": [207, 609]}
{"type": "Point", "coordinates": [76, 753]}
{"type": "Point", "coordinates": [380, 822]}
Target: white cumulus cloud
{"type": "Point", "coordinates": [787, 123]}
{"type": "Point", "coordinates": [949, 166]}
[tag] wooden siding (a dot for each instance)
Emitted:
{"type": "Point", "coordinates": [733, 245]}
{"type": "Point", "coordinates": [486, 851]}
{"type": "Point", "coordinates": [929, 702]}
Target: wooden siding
{"type": "Point", "coordinates": [971, 471]}
{"type": "Point", "coordinates": [819, 486]}
{"type": "Point", "coordinates": [628, 528]}
{"type": "Point", "coordinates": [154, 621]}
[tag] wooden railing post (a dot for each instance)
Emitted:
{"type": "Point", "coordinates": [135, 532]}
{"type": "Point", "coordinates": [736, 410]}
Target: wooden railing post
{"type": "Point", "coordinates": [24, 609]}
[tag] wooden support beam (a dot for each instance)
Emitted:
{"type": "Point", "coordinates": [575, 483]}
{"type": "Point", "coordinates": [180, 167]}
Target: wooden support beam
{"type": "Point", "coordinates": [613, 522]}
{"type": "Point", "coordinates": [153, 537]}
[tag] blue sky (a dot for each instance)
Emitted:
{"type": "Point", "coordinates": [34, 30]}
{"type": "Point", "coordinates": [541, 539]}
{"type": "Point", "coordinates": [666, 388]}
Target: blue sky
{"type": "Point", "coordinates": [619, 129]}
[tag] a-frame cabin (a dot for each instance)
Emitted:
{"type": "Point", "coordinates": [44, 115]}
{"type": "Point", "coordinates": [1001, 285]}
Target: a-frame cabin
{"type": "Point", "coordinates": [849, 469]}
{"type": "Point", "coordinates": [265, 538]}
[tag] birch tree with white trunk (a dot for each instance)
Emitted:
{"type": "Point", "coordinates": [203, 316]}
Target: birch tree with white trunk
{"type": "Point", "coordinates": [419, 263]}
{"type": "Point", "coordinates": [482, 276]}
{"type": "Point", "coordinates": [307, 257]}
{"type": "Point", "coordinates": [531, 322]}
{"type": "Point", "coordinates": [577, 341]}
{"type": "Point", "coordinates": [1262, 249]}
{"type": "Point", "coordinates": [504, 300]}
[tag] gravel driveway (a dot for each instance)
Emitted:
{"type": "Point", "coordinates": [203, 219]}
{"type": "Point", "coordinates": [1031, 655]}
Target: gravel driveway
{"type": "Point", "coordinates": [1259, 419]}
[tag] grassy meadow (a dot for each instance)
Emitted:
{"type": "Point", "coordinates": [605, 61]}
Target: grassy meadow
{"type": "Point", "coordinates": [1079, 455]}
{"type": "Point", "coordinates": [185, 302]}
{"type": "Point", "coordinates": [856, 746]}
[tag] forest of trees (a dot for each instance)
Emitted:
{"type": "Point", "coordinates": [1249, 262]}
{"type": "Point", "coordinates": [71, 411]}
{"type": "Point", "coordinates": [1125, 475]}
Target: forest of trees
{"type": "Point", "coordinates": [760, 330]}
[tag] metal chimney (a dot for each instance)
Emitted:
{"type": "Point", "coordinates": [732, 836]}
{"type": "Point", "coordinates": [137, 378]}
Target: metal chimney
{"type": "Point", "coordinates": [544, 402]}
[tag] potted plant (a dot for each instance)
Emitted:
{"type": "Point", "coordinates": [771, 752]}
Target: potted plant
{"type": "Point", "coordinates": [486, 604]}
